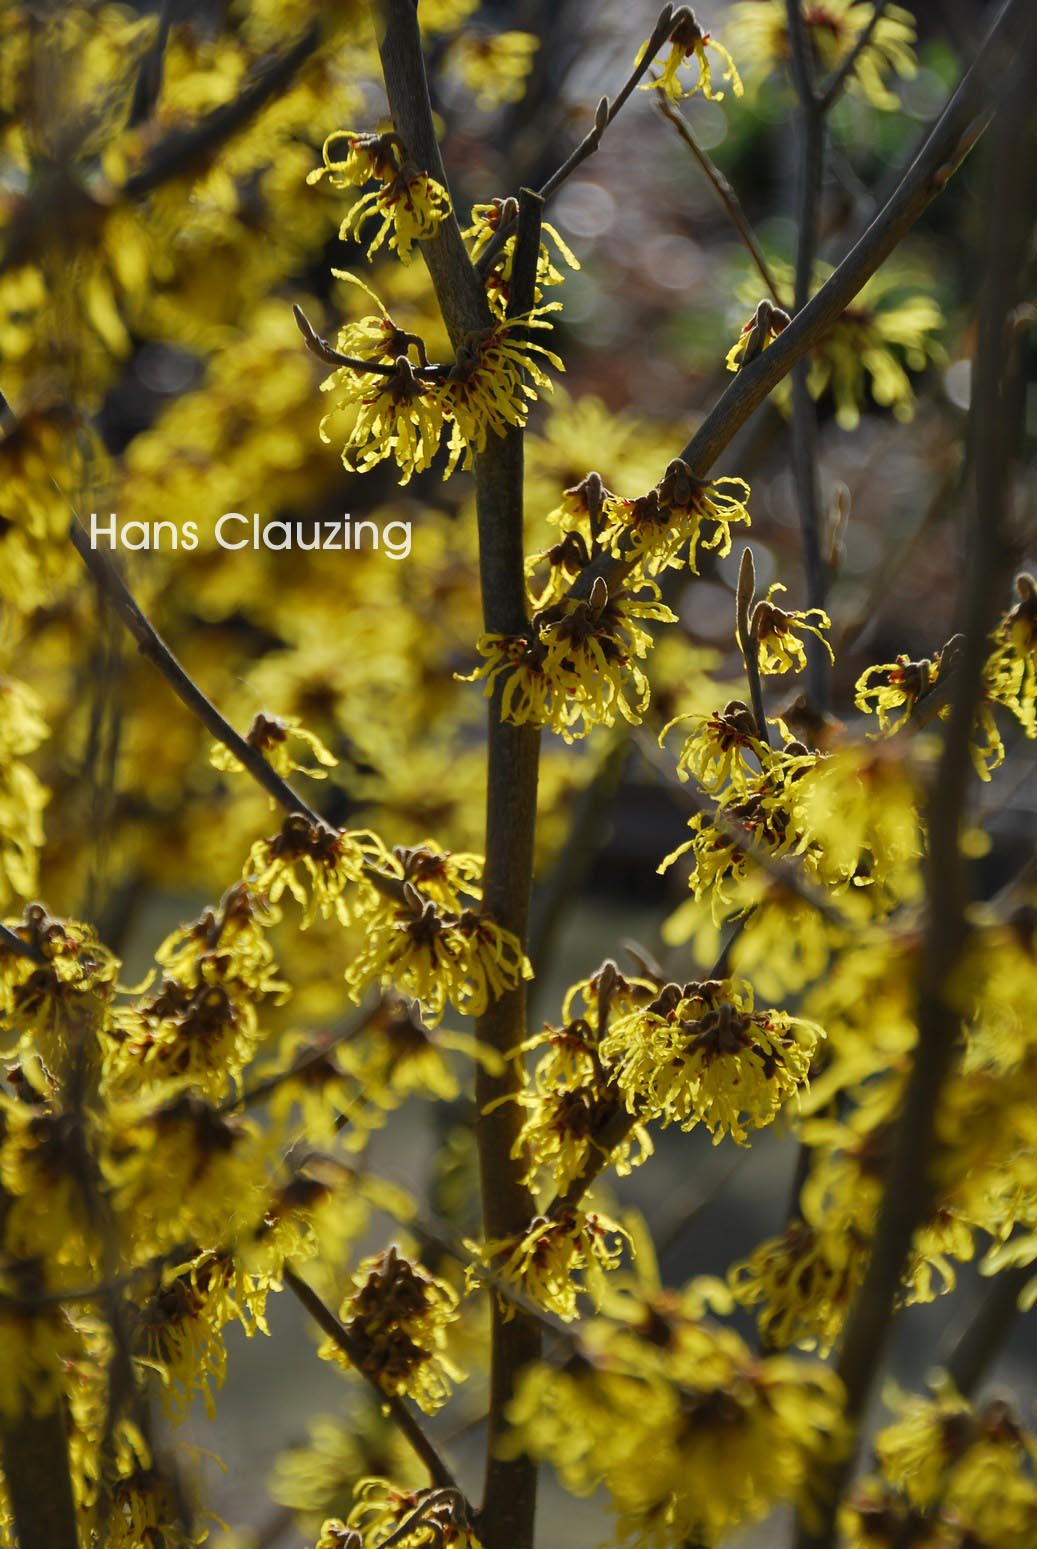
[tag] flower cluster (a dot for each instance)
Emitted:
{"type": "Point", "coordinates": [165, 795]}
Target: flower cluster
{"type": "Point", "coordinates": [690, 1433]}
{"type": "Point", "coordinates": [410, 204]}
{"type": "Point", "coordinates": [406, 412]}
{"type": "Point", "coordinates": [700, 1053]}
{"type": "Point", "coordinates": [395, 1321]}
{"type": "Point", "coordinates": [579, 663]}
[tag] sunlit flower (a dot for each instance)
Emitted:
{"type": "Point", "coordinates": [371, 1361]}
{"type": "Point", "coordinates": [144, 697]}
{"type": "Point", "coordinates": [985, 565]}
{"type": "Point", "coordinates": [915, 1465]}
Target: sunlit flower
{"type": "Point", "coordinates": [273, 736]}
{"type": "Point", "coordinates": [492, 382]}
{"type": "Point", "coordinates": [717, 751]}
{"type": "Point", "coordinates": [701, 1054]}
{"type": "Point", "coordinates": [778, 633]}
{"type": "Point", "coordinates": [399, 416]}
{"type": "Point", "coordinates": [486, 221]}
{"type": "Point", "coordinates": [396, 1318]}
{"type": "Point", "coordinates": [558, 1258]}
{"type": "Point", "coordinates": [579, 665]}
{"type": "Point", "coordinates": [667, 526]}
{"type": "Point", "coordinates": [891, 687]}
{"type": "Point", "coordinates": [689, 41]}
{"type": "Point", "coordinates": [411, 204]}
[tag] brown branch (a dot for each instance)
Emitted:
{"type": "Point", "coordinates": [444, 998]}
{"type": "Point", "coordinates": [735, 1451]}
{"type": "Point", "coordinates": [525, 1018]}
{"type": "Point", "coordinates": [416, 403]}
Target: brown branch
{"type": "Point", "coordinates": [10, 941]}
{"type": "Point", "coordinates": [804, 411]}
{"type": "Point", "coordinates": [724, 192]}
{"type": "Point", "coordinates": [150, 644]}
{"type": "Point", "coordinates": [605, 113]}
{"type": "Point", "coordinates": [509, 1498]}
{"type": "Point", "coordinates": [400, 1411]}
{"type": "Point", "coordinates": [34, 1453]}
{"type": "Point", "coordinates": [909, 1187]}
{"type": "Point", "coordinates": [980, 1340]}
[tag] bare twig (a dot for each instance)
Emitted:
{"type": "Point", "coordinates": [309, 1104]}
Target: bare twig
{"type": "Point", "coordinates": [804, 411]}
{"type": "Point", "coordinates": [605, 113]}
{"type": "Point", "coordinates": [151, 645]}
{"type": "Point", "coordinates": [11, 942]}
{"type": "Point", "coordinates": [724, 192]}
{"type": "Point", "coordinates": [400, 1411]}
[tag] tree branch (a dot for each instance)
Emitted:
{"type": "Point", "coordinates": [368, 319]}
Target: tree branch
{"type": "Point", "coordinates": [804, 411]}
{"type": "Point", "coordinates": [724, 192]}
{"type": "Point", "coordinates": [150, 644]}
{"type": "Point", "coordinates": [909, 1187]}
{"type": "Point", "coordinates": [399, 1410]}
{"type": "Point", "coordinates": [509, 1498]}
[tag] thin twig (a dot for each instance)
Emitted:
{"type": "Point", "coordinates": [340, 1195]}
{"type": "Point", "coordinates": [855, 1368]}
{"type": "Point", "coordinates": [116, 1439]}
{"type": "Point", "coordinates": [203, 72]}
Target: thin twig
{"type": "Point", "coordinates": [724, 192]}
{"type": "Point", "coordinates": [11, 942]}
{"type": "Point", "coordinates": [399, 1410]}
{"type": "Point", "coordinates": [804, 410]}
{"type": "Point", "coordinates": [152, 646]}
{"type": "Point", "coordinates": [604, 115]}
{"type": "Point", "coordinates": [320, 347]}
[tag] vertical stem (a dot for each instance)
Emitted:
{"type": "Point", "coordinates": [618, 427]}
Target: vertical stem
{"type": "Point", "coordinates": [804, 411]}
{"type": "Point", "coordinates": [509, 1501]}
{"type": "Point", "coordinates": [34, 1451]}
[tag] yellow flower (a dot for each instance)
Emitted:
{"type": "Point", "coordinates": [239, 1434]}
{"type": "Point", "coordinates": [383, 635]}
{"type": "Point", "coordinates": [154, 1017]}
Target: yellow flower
{"type": "Point", "coordinates": [578, 665]}
{"type": "Point", "coordinates": [701, 1054]}
{"type": "Point", "coordinates": [396, 1318]}
{"type": "Point", "coordinates": [411, 204]}
{"type": "Point", "coordinates": [888, 331]}
{"type": "Point", "coordinates": [778, 632]}
{"type": "Point", "coordinates": [316, 865]}
{"type": "Point", "coordinates": [400, 416]}
{"type": "Point", "coordinates": [486, 220]}
{"type": "Point", "coordinates": [544, 1261]}
{"type": "Point", "coordinates": [833, 28]}
{"type": "Point", "coordinates": [1010, 676]}
{"type": "Point", "coordinates": [901, 684]}
{"type": "Point", "coordinates": [493, 65]}
{"type": "Point", "coordinates": [657, 527]}
{"type": "Point", "coordinates": [437, 956]}
{"type": "Point", "coordinates": [273, 735]}
{"type": "Point", "coordinates": [687, 41]}
{"type": "Point", "coordinates": [691, 1434]}
{"type": "Point", "coordinates": [493, 381]}
{"type": "Point", "coordinates": [22, 795]}
{"type": "Point", "coordinates": [716, 753]}
{"type": "Point", "coordinates": [433, 1518]}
